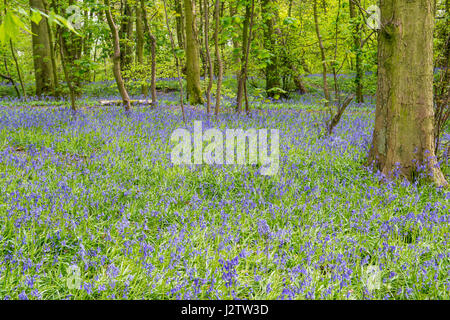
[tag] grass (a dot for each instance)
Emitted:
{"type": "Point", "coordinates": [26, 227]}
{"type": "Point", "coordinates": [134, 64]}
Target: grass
{"type": "Point", "coordinates": [96, 193]}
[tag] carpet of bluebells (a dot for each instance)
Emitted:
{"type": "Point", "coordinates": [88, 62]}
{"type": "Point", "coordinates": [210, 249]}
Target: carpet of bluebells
{"type": "Point", "coordinates": [92, 208]}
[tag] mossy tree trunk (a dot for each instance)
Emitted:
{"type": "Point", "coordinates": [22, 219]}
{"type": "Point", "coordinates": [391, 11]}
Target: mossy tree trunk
{"type": "Point", "coordinates": [140, 46]}
{"type": "Point", "coordinates": [42, 56]}
{"type": "Point", "coordinates": [403, 134]}
{"type": "Point", "coordinates": [192, 56]}
{"type": "Point", "coordinates": [126, 34]}
{"type": "Point", "coordinates": [179, 23]}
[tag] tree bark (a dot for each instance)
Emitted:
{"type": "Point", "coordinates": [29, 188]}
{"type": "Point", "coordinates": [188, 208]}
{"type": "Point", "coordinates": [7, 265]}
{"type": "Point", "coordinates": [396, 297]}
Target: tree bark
{"type": "Point", "coordinates": [153, 54]}
{"type": "Point", "coordinates": [403, 133]}
{"type": "Point", "coordinates": [208, 57]}
{"type": "Point", "coordinates": [322, 55]}
{"type": "Point", "coordinates": [180, 24]}
{"type": "Point", "coordinates": [63, 53]}
{"type": "Point", "coordinates": [192, 56]}
{"type": "Point", "coordinates": [42, 57]}
{"type": "Point", "coordinates": [242, 79]}
{"type": "Point", "coordinates": [357, 48]}
{"type": "Point", "coordinates": [116, 58]}
{"type": "Point", "coordinates": [272, 77]}
{"type": "Point", "coordinates": [126, 32]}
{"type": "Point", "coordinates": [140, 46]}
{"type": "Point", "coordinates": [218, 57]}
{"type": "Point", "coordinates": [177, 63]}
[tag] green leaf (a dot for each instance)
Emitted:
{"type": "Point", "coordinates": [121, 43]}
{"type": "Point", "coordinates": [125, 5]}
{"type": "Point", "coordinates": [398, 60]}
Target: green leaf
{"type": "Point", "coordinates": [36, 17]}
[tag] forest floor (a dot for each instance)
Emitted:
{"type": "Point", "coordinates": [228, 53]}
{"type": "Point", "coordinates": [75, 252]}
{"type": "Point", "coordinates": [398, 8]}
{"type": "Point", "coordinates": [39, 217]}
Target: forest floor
{"type": "Point", "coordinates": [91, 207]}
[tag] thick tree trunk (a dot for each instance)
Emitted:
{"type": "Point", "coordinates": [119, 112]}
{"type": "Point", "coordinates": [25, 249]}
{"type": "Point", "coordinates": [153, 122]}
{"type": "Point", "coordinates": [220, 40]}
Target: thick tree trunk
{"type": "Point", "coordinates": [180, 24]}
{"type": "Point", "coordinates": [192, 56]}
{"type": "Point", "coordinates": [403, 134]}
{"type": "Point", "coordinates": [42, 56]}
{"type": "Point", "coordinates": [116, 58]}
{"type": "Point", "coordinates": [126, 33]}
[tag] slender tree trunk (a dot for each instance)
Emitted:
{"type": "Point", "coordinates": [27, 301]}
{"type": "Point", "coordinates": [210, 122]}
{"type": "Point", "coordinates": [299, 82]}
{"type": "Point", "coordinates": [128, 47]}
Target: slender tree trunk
{"type": "Point", "coordinates": [177, 63]}
{"type": "Point", "coordinates": [322, 55]}
{"type": "Point", "coordinates": [116, 58]}
{"type": "Point", "coordinates": [247, 54]}
{"type": "Point", "coordinates": [153, 54]}
{"type": "Point", "coordinates": [218, 57]}
{"type": "Point", "coordinates": [268, 8]}
{"type": "Point", "coordinates": [242, 74]}
{"type": "Point", "coordinates": [140, 46]}
{"type": "Point", "coordinates": [236, 55]}
{"type": "Point", "coordinates": [354, 15]}
{"type": "Point", "coordinates": [403, 134]}
{"type": "Point", "coordinates": [208, 58]}
{"type": "Point", "coordinates": [19, 73]}
{"type": "Point", "coordinates": [42, 57]}
{"type": "Point", "coordinates": [199, 35]}
{"type": "Point", "coordinates": [10, 79]}
{"type": "Point", "coordinates": [192, 56]}
{"type": "Point", "coordinates": [337, 96]}
{"type": "Point", "coordinates": [63, 53]}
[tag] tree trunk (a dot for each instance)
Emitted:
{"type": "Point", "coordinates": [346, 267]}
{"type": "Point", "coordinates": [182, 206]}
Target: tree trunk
{"type": "Point", "coordinates": [403, 134]}
{"type": "Point", "coordinates": [242, 74]}
{"type": "Point", "coordinates": [73, 52]}
{"type": "Point", "coordinates": [19, 72]}
{"type": "Point", "coordinates": [180, 24]}
{"type": "Point", "coordinates": [116, 58]}
{"type": "Point", "coordinates": [140, 47]}
{"type": "Point", "coordinates": [177, 63]}
{"type": "Point", "coordinates": [322, 54]}
{"type": "Point", "coordinates": [153, 54]}
{"type": "Point", "coordinates": [218, 57]}
{"type": "Point", "coordinates": [357, 48]}
{"type": "Point", "coordinates": [126, 32]}
{"type": "Point", "coordinates": [10, 79]}
{"type": "Point", "coordinates": [42, 57]}
{"type": "Point", "coordinates": [268, 7]}
{"type": "Point", "coordinates": [68, 77]}
{"type": "Point", "coordinates": [208, 57]}
{"type": "Point", "coordinates": [192, 56]}
{"type": "Point", "coordinates": [236, 55]}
